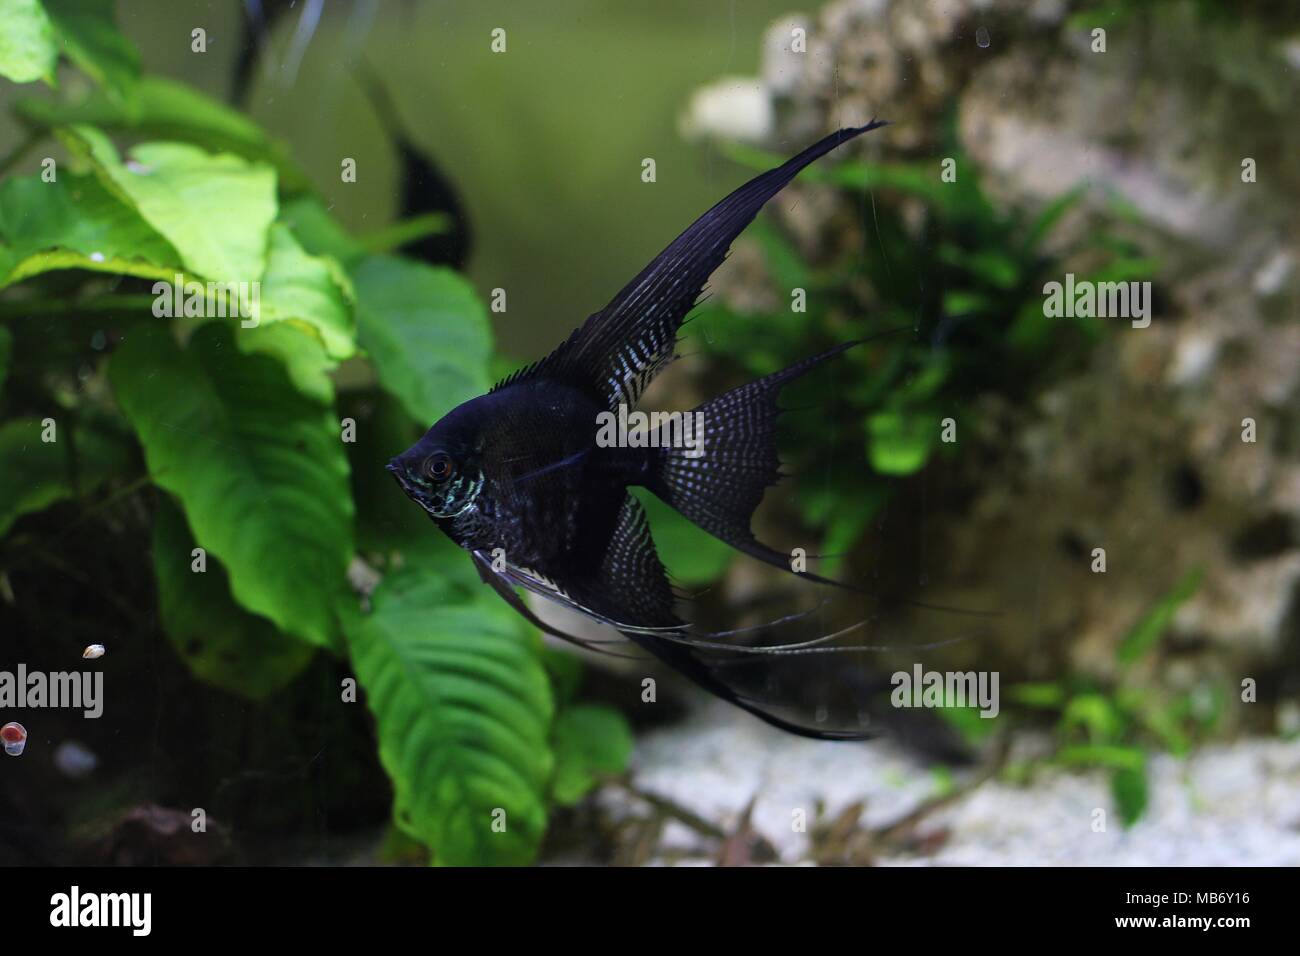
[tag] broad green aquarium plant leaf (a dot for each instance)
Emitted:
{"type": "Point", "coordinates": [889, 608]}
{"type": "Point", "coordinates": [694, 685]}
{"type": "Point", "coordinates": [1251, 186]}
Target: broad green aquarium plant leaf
{"type": "Point", "coordinates": [43, 461]}
{"type": "Point", "coordinates": [259, 468]}
{"type": "Point", "coordinates": [215, 209]}
{"type": "Point", "coordinates": [309, 291]}
{"type": "Point", "coordinates": [76, 223]}
{"type": "Point", "coordinates": [463, 710]}
{"type": "Point", "coordinates": [218, 640]}
{"type": "Point", "coordinates": [33, 473]}
{"type": "Point", "coordinates": [28, 48]}
{"type": "Point", "coordinates": [301, 352]}
{"type": "Point", "coordinates": [900, 441]}
{"type": "Point", "coordinates": [590, 742]}
{"type": "Point", "coordinates": [425, 330]}
{"type": "Point", "coordinates": [318, 232]}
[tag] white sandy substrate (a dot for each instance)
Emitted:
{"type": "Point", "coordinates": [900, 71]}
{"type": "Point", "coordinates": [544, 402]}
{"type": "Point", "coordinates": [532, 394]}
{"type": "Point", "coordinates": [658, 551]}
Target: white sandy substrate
{"type": "Point", "coordinates": [1236, 804]}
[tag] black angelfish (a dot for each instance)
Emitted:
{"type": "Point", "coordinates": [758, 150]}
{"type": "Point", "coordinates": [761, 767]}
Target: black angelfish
{"type": "Point", "coordinates": [520, 469]}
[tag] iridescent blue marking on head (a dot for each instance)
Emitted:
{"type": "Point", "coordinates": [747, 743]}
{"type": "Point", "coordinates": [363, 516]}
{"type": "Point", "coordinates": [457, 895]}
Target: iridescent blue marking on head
{"type": "Point", "coordinates": [441, 472]}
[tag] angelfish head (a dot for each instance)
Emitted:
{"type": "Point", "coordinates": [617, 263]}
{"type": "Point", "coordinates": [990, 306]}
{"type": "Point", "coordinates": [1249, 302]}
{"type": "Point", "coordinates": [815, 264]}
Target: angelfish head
{"type": "Point", "coordinates": [440, 472]}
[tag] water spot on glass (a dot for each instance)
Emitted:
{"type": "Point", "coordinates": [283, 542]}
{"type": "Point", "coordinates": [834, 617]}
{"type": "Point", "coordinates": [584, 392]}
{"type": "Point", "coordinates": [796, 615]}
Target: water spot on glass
{"type": "Point", "coordinates": [982, 38]}
{"type": "Point", "coordinates": [14, 736]}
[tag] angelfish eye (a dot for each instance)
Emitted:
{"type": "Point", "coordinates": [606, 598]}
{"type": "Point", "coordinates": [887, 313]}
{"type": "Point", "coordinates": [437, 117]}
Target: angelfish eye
{"type": "Point", "coordinates": [438, 466]}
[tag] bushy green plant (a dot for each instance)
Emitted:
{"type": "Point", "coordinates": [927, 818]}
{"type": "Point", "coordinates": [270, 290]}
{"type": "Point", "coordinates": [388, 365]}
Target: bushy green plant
{"type": "Point", "coordinates": [265, 442]}
{"type": "Point", "coordinates": [962, 272]}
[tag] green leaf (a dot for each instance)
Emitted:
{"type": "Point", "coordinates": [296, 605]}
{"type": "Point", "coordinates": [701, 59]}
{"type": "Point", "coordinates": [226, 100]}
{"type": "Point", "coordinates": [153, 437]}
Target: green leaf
{"type": "Point", "coordinates": [215, 210]}
{"type": "Point", "coordinates": [219, 641]}
{"type": "Point", "coordinates": [426, 332]}
{"type": "Point", "coordinates": [1096, 714]}
{"type": "Point", "coordinates": [1144, 635]}
{"type": "Point", "coordinates": [1164, 721]}
{"type": "Point", "coordinates": [168, 109]}
{"type": "Point", "coordinates": [91, 40]}
{"type": "Point", "coordinates": [1048, 217]}
{"type": "Point", "coordinates": [258, 467]}
{"type": "Point", "coordinates": [28, 50]}
{"type": "Point", "coordinates": [463, 712]}
{"type": "Point", "coordinates": [1045, 695]}
{"type": "Point", "coordinates": [299, 350]}
{"type": "Point", "coordinates": [1113, 756]}
{"type": "Point", "coordinates": [918, 179]}
{"type": "Point", "coordinates": [318, 231]}
{"type": "Point", "coordinates": [406, 231]}
{"type": "Point", "coordinates": [305, 316]}
{"type": "Point", "coordinates": [391, 529]}
{"type": "Point", "coordinates": [690, 554]}
{"type": "Point", "coordinates": [590, 742]}
{"type": "Point", "coordinates": [308, 290]}
{"type": "Point", "coordinates": [968, 722]}
{"type": "Point", "coordinates": [1129, 788]}
{"type": "Point", "coordinates": [988, 265]}
{"type": "Point", "coordinates": [962, 303]}
{"type": "Point", "coordinates": [76, 223]}
{"type": "Point", "coordinates": [899, 442]}
{"type": "Point", "coordinates": [33, 473]}
{"type": "Point", "coordinates": [1031, 329]}
{"type": "Point", "coordinates": [929, 378]}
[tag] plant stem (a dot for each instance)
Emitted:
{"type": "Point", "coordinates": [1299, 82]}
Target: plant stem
{"type": "Point", "coordinates": [676, 811]}
{"type": "Point", "coordinates": [408, 230]}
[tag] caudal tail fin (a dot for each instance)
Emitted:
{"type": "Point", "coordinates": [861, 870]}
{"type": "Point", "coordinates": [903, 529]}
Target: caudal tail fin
{"type": "Point", "coordinates": [718, 486]}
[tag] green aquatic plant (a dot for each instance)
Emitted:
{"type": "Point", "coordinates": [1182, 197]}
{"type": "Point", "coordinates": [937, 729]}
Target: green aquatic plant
{"type": "Point", "coordinates": [937, 255]}
{"type": "Point", "coordinates": [182, 323]}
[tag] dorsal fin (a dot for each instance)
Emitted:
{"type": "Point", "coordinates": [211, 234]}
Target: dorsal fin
{"type": "Point", "coordinates": [617, 352]}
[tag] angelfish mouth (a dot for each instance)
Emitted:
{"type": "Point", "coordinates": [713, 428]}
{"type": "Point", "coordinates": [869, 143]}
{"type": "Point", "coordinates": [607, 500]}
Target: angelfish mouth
{"type": "Point", "coordinates": [397, 471]}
